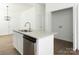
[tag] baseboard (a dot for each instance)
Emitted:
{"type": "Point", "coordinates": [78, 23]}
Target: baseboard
{"type": "Point", "coordinates": [6, 34]}
{"type": "Point", "coordinates": [63, 40]}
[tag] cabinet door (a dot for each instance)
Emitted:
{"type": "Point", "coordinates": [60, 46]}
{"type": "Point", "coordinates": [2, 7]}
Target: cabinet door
{"type": "Point", "coordinates": [20, 43]}
{"type": "Point", "coordinates": [15, 44]}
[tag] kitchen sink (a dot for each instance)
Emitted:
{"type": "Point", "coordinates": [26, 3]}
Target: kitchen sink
{"type": "Point", "coordinates": [24, 30]}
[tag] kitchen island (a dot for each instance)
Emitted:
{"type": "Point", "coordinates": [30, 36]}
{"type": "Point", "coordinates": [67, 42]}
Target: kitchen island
{"type": "Point", "coordinates": [34, 42]}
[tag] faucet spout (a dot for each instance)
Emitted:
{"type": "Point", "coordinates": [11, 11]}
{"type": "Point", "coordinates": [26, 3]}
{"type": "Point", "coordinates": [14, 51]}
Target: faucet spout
{"type": "Point", "coordinates": [29, 25]}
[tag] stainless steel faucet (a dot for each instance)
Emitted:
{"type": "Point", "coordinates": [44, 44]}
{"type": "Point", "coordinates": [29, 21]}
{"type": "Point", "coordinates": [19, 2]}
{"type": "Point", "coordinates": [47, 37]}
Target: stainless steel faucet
{"type": "Point", "coordinates": [29, 25]}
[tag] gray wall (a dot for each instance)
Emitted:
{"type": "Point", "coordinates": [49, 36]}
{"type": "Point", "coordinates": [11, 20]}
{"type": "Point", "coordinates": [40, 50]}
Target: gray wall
{"type": "Point", "coordinates": [62, 24]}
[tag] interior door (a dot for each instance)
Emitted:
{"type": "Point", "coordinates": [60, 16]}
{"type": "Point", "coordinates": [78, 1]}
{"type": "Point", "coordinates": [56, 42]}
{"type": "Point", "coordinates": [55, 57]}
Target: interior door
{"type": "Point", "coordinates": [63, 24]}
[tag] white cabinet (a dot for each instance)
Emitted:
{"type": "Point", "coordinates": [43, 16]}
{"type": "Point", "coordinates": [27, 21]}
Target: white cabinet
{"type": "Point", "coordinates": [40, 16]}
{"type": "Point", "coordinates": [29, 45]}
{"type": "Point", "coordinates": [18, 42]}
{"type": "Point", "coordinates": [44, 46]}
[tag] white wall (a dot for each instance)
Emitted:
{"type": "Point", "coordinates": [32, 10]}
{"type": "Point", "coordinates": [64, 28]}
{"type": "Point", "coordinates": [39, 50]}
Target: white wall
{"type": "Point", "coordinates": [3, 23]}
{"type": "Point", "coordinates": [53, 7]}
{"type": "Point", "coordinates": [6, 27]}
{"type": "Point", "coordinates": [34, 15]}
{"type": "Point", "coordinates": [14, 10]}
{"type": "Point", "coordinates": [28, 16]}
{"type": "Point", "coordinates": [63, 18]}
{"type": "Point", "coordinates": [20, 13]}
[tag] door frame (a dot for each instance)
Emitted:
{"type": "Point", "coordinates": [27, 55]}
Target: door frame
{"type": "Point", "coordinates": [75, 25]}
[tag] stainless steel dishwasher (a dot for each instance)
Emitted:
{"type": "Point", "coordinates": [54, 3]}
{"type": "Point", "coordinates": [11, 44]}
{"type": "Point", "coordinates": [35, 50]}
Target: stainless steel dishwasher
{"type": "Point", "coordinates": [28, 45]}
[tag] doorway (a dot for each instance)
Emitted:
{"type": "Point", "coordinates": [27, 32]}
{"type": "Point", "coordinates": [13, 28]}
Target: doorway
{"type": "Point", "coordinates": [62, 25]}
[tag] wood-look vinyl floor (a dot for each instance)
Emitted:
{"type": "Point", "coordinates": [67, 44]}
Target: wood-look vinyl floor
{"type": "Point", "coordinates": [6, 47]}
{"type": "Point", "coordinates": [64, 48]}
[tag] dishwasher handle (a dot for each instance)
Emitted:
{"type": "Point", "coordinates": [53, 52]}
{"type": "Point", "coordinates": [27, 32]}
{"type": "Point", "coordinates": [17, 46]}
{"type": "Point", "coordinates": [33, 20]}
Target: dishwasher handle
{"type": "Point", "coordinates": [32, 39]}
